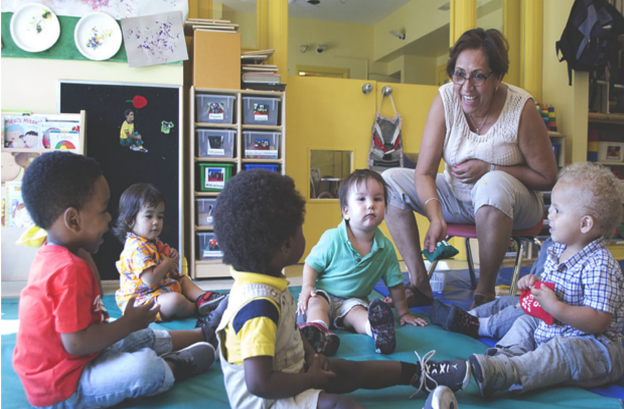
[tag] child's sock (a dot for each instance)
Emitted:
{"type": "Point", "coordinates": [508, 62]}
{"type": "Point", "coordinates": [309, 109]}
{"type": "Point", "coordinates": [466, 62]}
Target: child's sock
{"type": "Point", "coordinates": [408, 370]}
{"type": "Point", "coordinates": [483, 327]}
{"type": "Point", "coordinates": [320, 322]}
{"type": "Point", "coordinates": [368, 330]}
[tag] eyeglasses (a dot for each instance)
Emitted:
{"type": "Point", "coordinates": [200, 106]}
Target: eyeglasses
{"type": "Point", "coordinates": [476, 80]}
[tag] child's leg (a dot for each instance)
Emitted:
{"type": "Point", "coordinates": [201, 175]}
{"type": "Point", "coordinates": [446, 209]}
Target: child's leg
{"type": "Point", "coordinates": [318, 310]}
{"type": "Point", "coordinates": [315, 329]}
{"type": "Point", "coordinates": [357, 320]}
{"type": "Point", "coordinates": [376, 322]}
{"type": "Point", "coordinates": [575, 361]}
{"type": "Point", "coordinates": [189, 289]}
{"type": "Point", "coordinates": [501, 322]}
{"type": "Point", "coordinates": [175, 305]}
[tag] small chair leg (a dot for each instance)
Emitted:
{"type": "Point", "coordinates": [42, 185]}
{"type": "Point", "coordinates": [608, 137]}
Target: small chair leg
{"type": "Point", "coordinates": [473, 277]}
{"type": "Point", "coordinates": [513, 287]}
{"type": "Point", "coordinates": [432, 268]}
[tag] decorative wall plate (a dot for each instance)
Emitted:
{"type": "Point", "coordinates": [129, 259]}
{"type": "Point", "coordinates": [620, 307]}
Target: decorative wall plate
{"type": "Point", "coordinates": [35, 27]}
{"type": "Point", "coordinates": [97, 36]}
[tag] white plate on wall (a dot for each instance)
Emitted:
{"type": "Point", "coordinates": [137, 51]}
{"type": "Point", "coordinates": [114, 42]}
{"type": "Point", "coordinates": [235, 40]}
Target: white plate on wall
{"type": "Point", "coordinates": [35, 27]}
{"type": "Point", "coordinates": [97, 36]}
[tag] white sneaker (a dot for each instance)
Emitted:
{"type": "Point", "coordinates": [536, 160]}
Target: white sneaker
{"type": "Point", "coordinates": [442, 397]}
{"type": "Point", "coordinates": [134, 148]}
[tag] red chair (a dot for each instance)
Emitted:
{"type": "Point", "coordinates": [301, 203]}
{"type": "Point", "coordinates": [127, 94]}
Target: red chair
{"type": "Point", "coordinates": [519, 237]}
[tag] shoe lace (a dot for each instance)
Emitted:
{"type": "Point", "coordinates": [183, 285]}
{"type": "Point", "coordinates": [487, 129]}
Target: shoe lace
{"type": "Point", "coordinates": [424, 374]}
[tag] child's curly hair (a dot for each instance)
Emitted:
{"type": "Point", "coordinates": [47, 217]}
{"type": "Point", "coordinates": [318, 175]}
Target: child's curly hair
{"type": "Point", "coordinates": [602, 194]}
{"type": "Point", "coordinates": [255, 214]}
{"type": "Point", "coordinates": [132, 200]}
{"type": "Point", "coordinates": [355, 179]}
{"type": "Point", "coordinates": [56, 181]}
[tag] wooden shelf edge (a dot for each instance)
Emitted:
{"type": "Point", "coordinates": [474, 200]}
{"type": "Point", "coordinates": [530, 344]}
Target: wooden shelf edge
{"type": "Point", "coordinates": [606, 118]}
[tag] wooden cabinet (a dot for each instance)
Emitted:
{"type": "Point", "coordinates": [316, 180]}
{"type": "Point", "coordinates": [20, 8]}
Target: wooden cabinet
{"type": "Point", "coordinates": [232, 142]}
{"type": "Point", "coordinates": [606, 137]}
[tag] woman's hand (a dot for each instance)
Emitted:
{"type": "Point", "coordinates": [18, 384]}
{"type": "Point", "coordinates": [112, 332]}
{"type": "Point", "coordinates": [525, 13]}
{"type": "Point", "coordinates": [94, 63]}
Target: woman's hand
{"type": "Point", "coordinates": [470, 171]}
{"type": "Point", "coordinates": [435, 233]}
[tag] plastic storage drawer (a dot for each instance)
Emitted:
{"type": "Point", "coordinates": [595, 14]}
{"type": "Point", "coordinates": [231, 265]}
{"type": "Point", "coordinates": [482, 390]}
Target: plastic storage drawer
{"type": "Point", "coordinates": [260, 111]}
{"type": "Point", "coordinates": [214, 175]}
{"type": "Point", "coordinates": [261, 145]}
{"type": "Point", "coordinates": [272, 168]}
{"type": "Point", "coordinates": [205, 208]}
{"type": "Point", "coordinates": [216, 109]}
{"type": "Point", "coordinates": [215, 143]}
{"type": "Point", "coordinates": [208, 247]}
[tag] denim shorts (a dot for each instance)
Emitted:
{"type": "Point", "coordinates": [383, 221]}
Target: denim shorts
{"type": "Point", "coordinates": [129, 368]}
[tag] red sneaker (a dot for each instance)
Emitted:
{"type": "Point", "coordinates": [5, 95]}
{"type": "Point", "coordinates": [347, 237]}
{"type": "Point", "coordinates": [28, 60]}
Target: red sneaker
{"type": "Point", "coordinates": [320, 338]}
{"type": "Point", "coordinates": [207, 302]}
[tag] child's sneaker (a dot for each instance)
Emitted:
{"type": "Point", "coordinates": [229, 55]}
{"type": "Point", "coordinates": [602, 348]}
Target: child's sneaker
{"type": "Point", "coordinates": [382, 326]}
{"type": "Point", "coordinates": [210, 323]}
{"type": "Point", "coordinates": [442, 397]}
{"type": "Point", "coordinates": [207, 302]}
{"type": "Point", "coordinates": [460, 321]}
{"type": "Point", "coordinates": [142, 149]}
{"type": "Point", "coordinates": [454, 373]}
{"type": "Point", "coordinates": [192, 360]}
{"type": "Point", "coordinates": [134, 148]}
{"type": "Point", "coordinates": [492, 373]}
{"type": "Point", "coordinates": [322, 340]}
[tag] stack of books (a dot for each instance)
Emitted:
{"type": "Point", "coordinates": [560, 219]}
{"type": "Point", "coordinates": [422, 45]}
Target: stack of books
{"type": "Point", "coordinates": [259, 76]}
{"type": "Point", "coordinates": [222, 26]}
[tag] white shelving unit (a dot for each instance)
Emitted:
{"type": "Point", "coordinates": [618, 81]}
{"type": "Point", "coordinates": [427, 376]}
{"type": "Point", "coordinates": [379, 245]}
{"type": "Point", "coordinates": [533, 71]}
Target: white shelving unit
{"type": "Point", "coordinates": [215, 268]}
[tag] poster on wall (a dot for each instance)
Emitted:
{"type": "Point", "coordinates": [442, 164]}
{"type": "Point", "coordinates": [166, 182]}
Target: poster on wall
{"type": "Point", "coordinates": [116, 8]}
{"type": "Point", "coordinates": [125, 134]}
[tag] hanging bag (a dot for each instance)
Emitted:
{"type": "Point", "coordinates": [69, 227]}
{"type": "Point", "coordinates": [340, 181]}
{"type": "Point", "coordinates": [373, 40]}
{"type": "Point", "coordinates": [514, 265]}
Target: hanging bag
{"type": "Point", "coordinates": [386, 149]}
{"type": "Point", "coordinates": [590, 36]}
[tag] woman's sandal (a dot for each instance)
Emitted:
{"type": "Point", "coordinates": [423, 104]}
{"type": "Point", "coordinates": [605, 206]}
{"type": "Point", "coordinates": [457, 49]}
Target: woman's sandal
{"type": "Point", "coordinates": [418, 299]}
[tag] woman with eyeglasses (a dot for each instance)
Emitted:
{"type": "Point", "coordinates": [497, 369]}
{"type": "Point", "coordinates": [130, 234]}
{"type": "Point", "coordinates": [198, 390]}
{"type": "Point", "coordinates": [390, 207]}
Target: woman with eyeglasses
{"type": "Point", "coordinates": [497, 160]}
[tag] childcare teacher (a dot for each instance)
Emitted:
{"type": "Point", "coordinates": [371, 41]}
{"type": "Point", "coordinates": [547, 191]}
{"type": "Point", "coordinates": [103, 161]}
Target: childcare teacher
{"type": "Point", "coordinates": [497, 160]}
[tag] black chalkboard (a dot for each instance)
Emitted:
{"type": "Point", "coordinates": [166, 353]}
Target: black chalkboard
{"type": "Point", "coordinates": [105, 105]}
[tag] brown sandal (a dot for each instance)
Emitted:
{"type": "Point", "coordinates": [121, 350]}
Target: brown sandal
{"type": "Point", "coordinates": [418, 299]}
{"type": "Point", "coordinates": [480, 300]}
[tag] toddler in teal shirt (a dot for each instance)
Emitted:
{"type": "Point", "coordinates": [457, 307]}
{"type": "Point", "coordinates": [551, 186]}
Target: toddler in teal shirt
{"type": "Point", "coordinates": [341, 270]}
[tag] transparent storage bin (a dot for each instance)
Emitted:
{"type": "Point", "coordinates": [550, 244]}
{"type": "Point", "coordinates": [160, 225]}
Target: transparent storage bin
{"type": "Point", "coordinates": [208, 247]}
{"type": "Point", "coordinates": [205, 209]}
{"type": "Point", "coordinates": [437, 282]}
{"type": "Point", "coordinates": [215, 143]}
{"type": "Point", "coordinates": [260, 111]}
{"type": "Point", "coordinates": [216, 109]}
{"type": "Point", "coordinates": [261, 145]}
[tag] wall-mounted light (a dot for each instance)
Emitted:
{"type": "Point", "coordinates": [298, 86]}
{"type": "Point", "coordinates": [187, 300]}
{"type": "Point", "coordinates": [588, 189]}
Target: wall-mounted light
{"type": "Point", "coordinates": [321, 48]}
{"type": "Point", "coordinates": [303, 48]}
{"type": "Point", "coordinates": [398, 33]}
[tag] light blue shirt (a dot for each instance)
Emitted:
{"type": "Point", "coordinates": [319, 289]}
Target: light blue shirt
{"type": "Point", "coordinates": [343, 272]}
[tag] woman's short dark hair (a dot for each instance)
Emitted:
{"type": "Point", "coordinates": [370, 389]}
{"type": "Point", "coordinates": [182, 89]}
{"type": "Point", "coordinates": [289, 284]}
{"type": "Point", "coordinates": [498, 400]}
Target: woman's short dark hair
{"type": "Point", "coordinates": [131, 202]}
{"type": "Point", "coordinates": [491, 42]}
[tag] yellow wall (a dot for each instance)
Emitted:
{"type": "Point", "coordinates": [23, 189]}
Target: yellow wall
{"type": "Point", "coordinates": [349, 46]}
{"type": "Point", "coordinates": [571, 103]}
{"type": "Point", "coordinates": [246, 25]}
{"type": "Point", "coordinates": [37, 87]}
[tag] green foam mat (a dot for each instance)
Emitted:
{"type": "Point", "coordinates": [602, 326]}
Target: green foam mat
{"type": "Point", "coordinates": [208, 390]}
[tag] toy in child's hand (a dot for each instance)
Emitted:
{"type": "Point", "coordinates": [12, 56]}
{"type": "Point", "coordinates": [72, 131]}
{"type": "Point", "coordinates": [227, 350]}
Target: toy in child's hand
{"type": "Point", "coordinates": [164, 249]}
{"type": "Point", "coordinates": [529, 304]}
{"type": "Point", "coordinates": [443, 250]}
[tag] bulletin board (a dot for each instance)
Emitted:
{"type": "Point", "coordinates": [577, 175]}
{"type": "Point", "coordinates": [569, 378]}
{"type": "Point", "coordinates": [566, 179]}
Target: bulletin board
{"type": "Point", "coordinates": [158, 118]}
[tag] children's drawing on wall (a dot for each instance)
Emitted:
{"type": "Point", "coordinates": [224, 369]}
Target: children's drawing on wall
{"type": "Point", "coordinates": [155, 39]}
{"type": "Point", "coordinates": [117, 8]}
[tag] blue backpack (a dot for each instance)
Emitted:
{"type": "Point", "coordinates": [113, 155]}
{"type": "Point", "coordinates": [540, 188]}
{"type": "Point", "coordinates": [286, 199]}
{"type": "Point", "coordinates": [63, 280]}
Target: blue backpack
{"type": "Point", "coordinates": [590, 36]}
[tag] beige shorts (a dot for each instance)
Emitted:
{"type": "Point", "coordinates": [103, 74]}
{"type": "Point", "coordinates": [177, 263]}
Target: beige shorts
{"type": "Point", "coordinates": [338, 308]}
{"type": "Point", "coordinates": [307, 399]}
{"type": "Point", "coordinates": [502, 191]}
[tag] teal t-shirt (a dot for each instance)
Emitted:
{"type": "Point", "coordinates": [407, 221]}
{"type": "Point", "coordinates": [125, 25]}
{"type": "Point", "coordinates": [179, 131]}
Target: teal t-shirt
{"type": "Point", "coordinates": [343, 272]}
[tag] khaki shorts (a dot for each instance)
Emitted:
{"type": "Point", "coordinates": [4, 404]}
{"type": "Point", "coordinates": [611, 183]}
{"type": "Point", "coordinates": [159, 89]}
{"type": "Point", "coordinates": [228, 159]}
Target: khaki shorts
{"type": "Point", "coordinates": [338, 308]}
{"type": "Point", "coordinates": [307, 399]}
{"type": "Point", "coordinates": [498, 189]}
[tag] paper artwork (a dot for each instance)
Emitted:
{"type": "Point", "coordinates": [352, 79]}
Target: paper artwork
{"type": "Point", "coordinates": [118, 9]}
{"type": "Point", "coordinates": [156, 39]}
